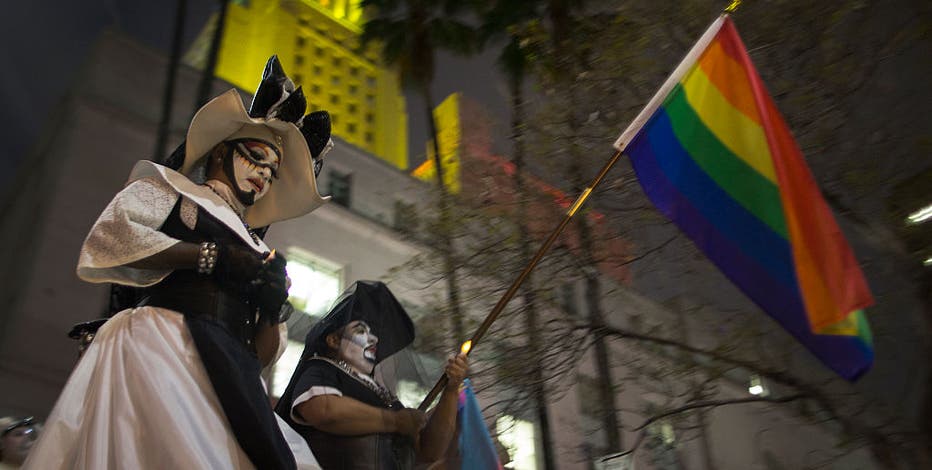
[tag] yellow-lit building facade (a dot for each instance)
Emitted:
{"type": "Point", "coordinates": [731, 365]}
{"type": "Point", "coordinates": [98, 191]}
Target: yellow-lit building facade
{"type": "Point", "coordinates": [317, 43]}
{"type": "Point", "coordinates": [449, 131]}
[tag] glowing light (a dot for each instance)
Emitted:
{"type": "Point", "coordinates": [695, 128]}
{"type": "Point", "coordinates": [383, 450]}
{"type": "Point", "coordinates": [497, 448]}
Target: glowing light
{"type": "Point", "coordinates": [920, 216]}
{"type": "Point", "coordinates": [756, 386]}
{"type": "Point", "coordinates": [517, 436]}
{"type": "Point", "coordinates": [312, 290]}
{"type": "Point", "coordinates": [466, 347]}
{"type": "Point", "coordinates": [927, 262]}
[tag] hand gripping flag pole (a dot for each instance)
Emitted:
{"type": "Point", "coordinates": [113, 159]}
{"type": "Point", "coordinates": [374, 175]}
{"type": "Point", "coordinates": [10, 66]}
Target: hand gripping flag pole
{"type": "Point", "coordinates": [513, 289]}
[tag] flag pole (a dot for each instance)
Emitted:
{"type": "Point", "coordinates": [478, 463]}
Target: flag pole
{"type": "Point", "coordinates": [513, 289]}
{"type": "Point", "coordinates": [620, 146]}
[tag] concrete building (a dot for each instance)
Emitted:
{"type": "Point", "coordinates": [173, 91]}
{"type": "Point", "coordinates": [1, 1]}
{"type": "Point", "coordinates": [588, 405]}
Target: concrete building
{"type": "Point", "coordinates": [109, 122]}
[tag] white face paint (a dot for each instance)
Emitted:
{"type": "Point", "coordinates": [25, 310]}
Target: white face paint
{"type": "Point", "coordinates": [255, 164]}
{"type": "Point", "coordinates": [358, 346]}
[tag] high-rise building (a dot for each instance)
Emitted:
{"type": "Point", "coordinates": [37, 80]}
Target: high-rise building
{"type": "Point", "coordinates": [317, 43]}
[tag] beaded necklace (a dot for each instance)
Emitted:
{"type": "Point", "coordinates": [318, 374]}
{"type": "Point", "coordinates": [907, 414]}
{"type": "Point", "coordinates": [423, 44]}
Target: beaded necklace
{"type": "Point", "coordinates": [386, 396]}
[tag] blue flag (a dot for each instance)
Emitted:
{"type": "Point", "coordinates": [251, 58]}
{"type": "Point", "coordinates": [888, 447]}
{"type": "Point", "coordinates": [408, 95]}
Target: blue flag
{"type": "Point", "coordinates": [476, 448]}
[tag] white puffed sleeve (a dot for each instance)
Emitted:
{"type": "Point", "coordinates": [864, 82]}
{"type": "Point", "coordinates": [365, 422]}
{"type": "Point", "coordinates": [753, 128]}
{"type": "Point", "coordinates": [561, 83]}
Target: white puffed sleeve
{"type": "Point", "coordinates": [127, 231]}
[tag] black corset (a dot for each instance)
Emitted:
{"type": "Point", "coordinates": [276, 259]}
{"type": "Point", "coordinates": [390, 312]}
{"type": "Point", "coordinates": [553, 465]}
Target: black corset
{"type": "Point", "coordinates": [199, 295]}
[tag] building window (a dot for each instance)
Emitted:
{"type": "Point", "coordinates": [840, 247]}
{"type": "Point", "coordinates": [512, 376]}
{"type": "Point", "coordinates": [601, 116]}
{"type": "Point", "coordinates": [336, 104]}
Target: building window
{"type": "Point", "coordinates": [370, 100]}
{"type": "Point", "coordinates": [369, 138]}
{"type": "Point", "coordinates": [299, 60]}
{"type": "Point", "coordinates": [756, 386]}
{"type": "Point", "coordinates": [661, 442]}
{"type": "Point", "coordinates": [300, 41]}
{"type": "Point", "coordinates": [334, 99]}
{"type": "Point", "coordinates": [319, 51]}
{"type": "Point", "coordinates": [334, 79]}
{"type": "Point", "coordinates": [315, 284]}
{"type": "Point", "coordinates": [340, 185]}
{"type": "Point", "coordinates": [369, 118]}
{"type": "Point", "coordinates": [337, 61]}
{"type": "Point", "coordinates": [351, 108]}
{"type": "Point", "coordinates": [298, 78]}
{"type": "Point", "coordinates": [351, 128]}
{"type": "Point", "coordinates": [405, 218]}
{"type": "Point", "coordinates": [568, 297]}
{"type": "Point", "coordinates": [353, 89]}
{"type": "Point", "coordinates": [315, 89]}
{"type": "Point", "coordinates": [303, 21]}
{"type": "Point", "coordinates": [354, 71]}
{"type": "Point", "coordinates": [370, 80]}
{"type": "Point", "coordinates": [517, 436]}
{"type": "Point", "coordinates": [317, 70]}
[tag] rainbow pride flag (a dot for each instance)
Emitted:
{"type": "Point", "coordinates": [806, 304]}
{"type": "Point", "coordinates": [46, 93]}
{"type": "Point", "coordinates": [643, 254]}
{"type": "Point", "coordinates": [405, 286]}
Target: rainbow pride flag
{"type": "Point", "coordinates": [715, 156]}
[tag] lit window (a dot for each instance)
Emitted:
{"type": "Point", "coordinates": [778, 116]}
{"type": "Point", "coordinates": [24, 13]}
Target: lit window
{"type": "Point", "coordinates": [518, 438]}
{"type": "Point", "coordinates": [756, 386]}
{"type": "Point", "coordinates": [314, 285]}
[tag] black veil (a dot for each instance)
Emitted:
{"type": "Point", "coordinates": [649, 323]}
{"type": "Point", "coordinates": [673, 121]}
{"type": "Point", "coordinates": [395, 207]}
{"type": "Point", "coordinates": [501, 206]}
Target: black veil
{"type": "Point", "coordinates": [374, 303]}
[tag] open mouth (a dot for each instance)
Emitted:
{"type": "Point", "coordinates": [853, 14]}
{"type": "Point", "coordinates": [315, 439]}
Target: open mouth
{"type": "Point", "coordinates": [370, 351]}
{"type": "Point", "coordinates": [257, 183]}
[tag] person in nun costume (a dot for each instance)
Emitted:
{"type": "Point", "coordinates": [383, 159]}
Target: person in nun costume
{"type": "Point", "coordinates": [174, 382]}
{"type": "Point", "coordinates": [349, 419]}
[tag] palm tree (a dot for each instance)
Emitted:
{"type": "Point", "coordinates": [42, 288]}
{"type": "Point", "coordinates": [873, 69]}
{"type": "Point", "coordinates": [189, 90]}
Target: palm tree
{"type": "Point", "coordinates": [410, 33]}
{"type": "Point", "coordinates": [506, 19]}
{"type": "Point", "coordinates": [568, 60]}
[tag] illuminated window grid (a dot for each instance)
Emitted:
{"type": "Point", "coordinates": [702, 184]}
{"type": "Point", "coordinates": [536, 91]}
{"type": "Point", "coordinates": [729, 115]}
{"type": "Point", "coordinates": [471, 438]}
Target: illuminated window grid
{"type": "Point", "coordinates": [338, 81]}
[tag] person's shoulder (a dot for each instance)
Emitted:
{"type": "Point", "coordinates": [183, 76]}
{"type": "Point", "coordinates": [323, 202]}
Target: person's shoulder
{"type": "Point", "coordinates": [149, 185]}
{"type": "Point", "coordinates": [318, 364]}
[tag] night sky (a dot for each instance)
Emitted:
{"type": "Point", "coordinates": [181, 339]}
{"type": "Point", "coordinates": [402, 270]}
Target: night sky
{"type": "Point", "coordinates": [46, 42]}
